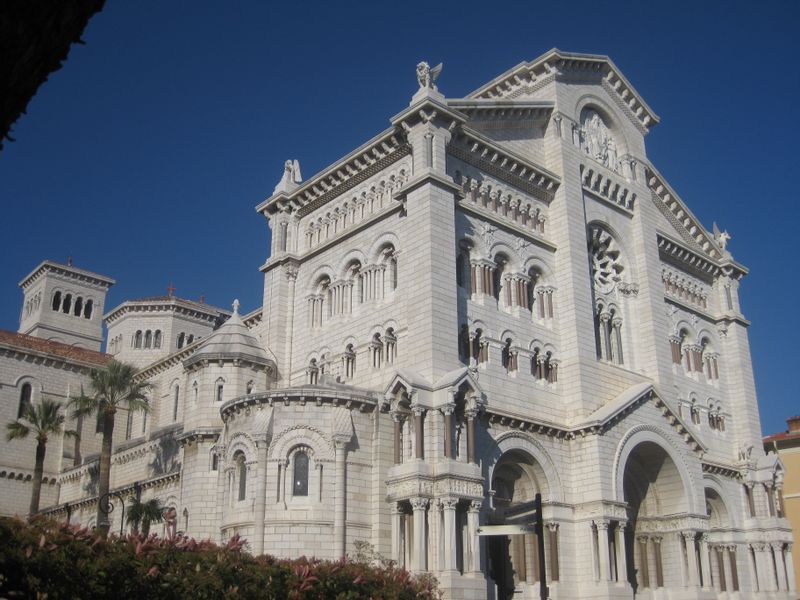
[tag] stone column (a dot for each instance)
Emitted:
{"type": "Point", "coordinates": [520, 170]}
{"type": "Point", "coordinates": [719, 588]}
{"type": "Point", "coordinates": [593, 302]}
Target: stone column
{"type": "Point", "coordinates": [622, 561]}
{"type": "Point", "coordinates": [397, 515]}
{"type": "Point", "coordinates": [261, 498]}
{"type": "Point", "coordinates": [419, 437]}
{"type": "Point", "coordinates": [705, 563]}
{"type": "Point", "coordinates": [602, 549]}
{"type": "Point", "coordinates": [790, 574]}
{"type": "Point", "coordinates": [552, 530]}
{"type": "Point", "coordinates": [449, 507]}
{"type": "Point", "coordinates": [418, 562]}
{"type": "Point", "coordinates": [644, 567]}
{"type": "Point", "coordinates": [435, 541]}
{"type": "Point", "coordinates": [398, 436]}
{"type": "Point", "coordinates": [688, 540]}
{"type": "Point", "coordinates": [734, 568]}
{"type": "Point", "coordinates": [777, 550]}
{"type": "Point", "coordinates": [447, 410]}
{"type": "Point", "coordinates": [658, 561]}
{"type": "Point", "coordinates": [473, 521]}
{"type": "Point", "coordinates": [470, 415]}
{"type": "Point", "coordinates": [723, 580]}
{"type": "Point", "coordinates": [340, 500]}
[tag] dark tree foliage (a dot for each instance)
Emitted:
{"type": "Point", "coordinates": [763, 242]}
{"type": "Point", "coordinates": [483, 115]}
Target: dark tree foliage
{"type": "Point", "coordinates": [35, 37]}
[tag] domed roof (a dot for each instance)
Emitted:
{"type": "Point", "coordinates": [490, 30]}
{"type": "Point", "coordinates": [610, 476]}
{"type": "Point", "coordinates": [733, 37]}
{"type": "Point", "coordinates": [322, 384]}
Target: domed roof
{"type": "Point", "coordinates": [232, 340]}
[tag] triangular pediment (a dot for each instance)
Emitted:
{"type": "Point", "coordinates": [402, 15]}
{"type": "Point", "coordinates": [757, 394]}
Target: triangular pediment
{"type": "Point", "coordinates": [633, 399]}
{"type": "Point", "coordinates": [527, 77]}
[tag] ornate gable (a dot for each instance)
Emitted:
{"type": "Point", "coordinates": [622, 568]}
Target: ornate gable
{"type": "Point", "coordinates": [555, 65]}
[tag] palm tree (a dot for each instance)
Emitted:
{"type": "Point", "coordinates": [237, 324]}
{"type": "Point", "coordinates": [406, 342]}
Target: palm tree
{"type": "Point", "coordinates": [113, 386]}
{"type": "Point", "coordinates": [145, 513]}
{"type": "Point", "coordinates": [43, 420]}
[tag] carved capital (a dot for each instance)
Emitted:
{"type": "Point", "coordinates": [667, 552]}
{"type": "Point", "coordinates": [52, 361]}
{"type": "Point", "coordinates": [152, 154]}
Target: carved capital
{"type": "Point", "coordinates": [475, 506]}
{"type": "Point", "coordinates": [419, 503]}
{"type": "Point", "coordinates": [449, 503]}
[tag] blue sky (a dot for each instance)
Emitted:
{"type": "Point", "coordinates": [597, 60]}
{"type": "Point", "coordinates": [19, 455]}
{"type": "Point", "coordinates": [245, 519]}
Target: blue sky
{"type": "Point", "coordinates": [143, 158]}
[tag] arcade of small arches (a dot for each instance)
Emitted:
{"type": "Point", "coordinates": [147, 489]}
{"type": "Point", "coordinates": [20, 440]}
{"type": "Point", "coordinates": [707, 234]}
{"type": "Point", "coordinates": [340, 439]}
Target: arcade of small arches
{"type": "Point", "coordinates": [381, 352]}
{"type": "Point", "coordinates": [714, 412]}
{"type": "Point", "coordinates": [354, 209]}
{"type": "Point", "coordinates": [515, 291]}
{"type": "Point", "coordinates": [475, 350]}
{"type": "Point", "coordinates": [357, 284]}
{"type": "Point", "coordinates": [70, 304]}
{"type": "Point", "coordinates": [695, 354]}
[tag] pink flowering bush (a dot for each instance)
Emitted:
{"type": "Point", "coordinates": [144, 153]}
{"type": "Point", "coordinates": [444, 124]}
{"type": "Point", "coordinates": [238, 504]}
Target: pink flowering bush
{"type": "Point", "coordinates": [53, 560]}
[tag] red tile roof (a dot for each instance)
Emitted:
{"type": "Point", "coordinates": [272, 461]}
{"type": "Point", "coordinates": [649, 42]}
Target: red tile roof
{"type": "Point", "coordinates": [29, 342]}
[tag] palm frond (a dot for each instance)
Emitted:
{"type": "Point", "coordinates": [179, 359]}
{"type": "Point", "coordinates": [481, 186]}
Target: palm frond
{"type": "Point", "coordinates": [17, 431]}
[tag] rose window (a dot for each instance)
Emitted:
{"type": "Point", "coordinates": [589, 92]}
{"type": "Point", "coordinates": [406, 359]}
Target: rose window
{"type": "Point", "coordinates": [605, 260]}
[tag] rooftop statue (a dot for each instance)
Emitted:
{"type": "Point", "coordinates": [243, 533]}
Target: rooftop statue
{"type": "Point", "coordinates": [291, 177]}
{"type": "Point", "coordinates": [426, 77]}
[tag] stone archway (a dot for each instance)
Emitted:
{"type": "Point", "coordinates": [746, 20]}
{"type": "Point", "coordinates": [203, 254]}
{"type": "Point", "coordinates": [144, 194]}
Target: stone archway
{"type": "Point", "coordinates": [513, 559]}
{"type": "Point", "coordinates": [655, 494]}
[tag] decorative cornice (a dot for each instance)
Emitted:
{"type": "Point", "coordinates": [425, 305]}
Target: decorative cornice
{"type": "Point", "coordinates": [479, 151]}
{"type": "Point", "coordinates": [66, 272]}
{"type": "Point", "coordinates": [722, 470]}
{"type": "Point", "coordinates": [361, 400]}
{"type": "Point", "coordinates": [679, 215]}
{"type": "Point", "coordinates": [194, 310]}
{"type": "Point", "coordinates": [356, 167]}
{"type": "Point", "coordinates": [687, 258]}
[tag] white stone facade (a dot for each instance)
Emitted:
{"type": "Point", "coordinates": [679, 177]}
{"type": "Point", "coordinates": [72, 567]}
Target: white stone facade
{"type": "Point", "coordinates": [497, 296]}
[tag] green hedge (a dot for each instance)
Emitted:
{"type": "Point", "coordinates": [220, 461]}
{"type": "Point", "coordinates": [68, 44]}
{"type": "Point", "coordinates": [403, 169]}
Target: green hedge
{"type": "Point", "coordinates": [52, 560]}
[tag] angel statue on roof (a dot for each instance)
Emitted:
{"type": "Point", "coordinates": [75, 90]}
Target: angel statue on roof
{"type": "Point", "coordinates": [291, 177]}
{"type": "Point", "coordinates": [426, 77]}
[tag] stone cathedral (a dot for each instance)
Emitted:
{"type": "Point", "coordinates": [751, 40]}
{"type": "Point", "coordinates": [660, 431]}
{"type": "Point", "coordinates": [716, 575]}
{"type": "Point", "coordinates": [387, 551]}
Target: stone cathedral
{"type": "Point", "coordinates": [496, 296]}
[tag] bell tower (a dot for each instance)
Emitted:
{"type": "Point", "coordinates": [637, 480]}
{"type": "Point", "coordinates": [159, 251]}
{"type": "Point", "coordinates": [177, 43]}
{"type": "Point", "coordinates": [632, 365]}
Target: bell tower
{"type": "Point", "coordinates": [64, 304]}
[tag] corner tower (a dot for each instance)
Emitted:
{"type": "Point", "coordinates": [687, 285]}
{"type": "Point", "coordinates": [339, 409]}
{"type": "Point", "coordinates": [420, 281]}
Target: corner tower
{"type": "Point", "coordinates": [64, 304]}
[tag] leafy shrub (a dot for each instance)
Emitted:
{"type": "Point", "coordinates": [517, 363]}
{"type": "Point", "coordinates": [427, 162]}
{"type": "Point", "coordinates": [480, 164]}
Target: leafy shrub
{"type": "Point", "coordinates": [53, 560]}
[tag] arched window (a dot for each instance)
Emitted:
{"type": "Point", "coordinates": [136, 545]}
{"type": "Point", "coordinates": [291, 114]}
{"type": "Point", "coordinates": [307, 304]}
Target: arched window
{"type": "Point", "coordinates": [241, 474]}
{"type": "Point", "coordinates": [251, 386]}
{"type": "Point", "coordinates": [313, 372]}
{"type": "Point", "coordinates": [390, 341]}
{"type": "Point", "coordinates": [220, 390]}
{"type": "Point", "coordinates": [67, 304]}
{"type": "Point", "coordinates": [56, 301]}
{"type": "Point", "coordinates": [349, 361]}
{"type": "Point", "coordinates": [480, 347]}
{"type": "Point", "coordinates": [195, 392]}
{"type": "Point", "coordinates": [508, 356]}
{"type": "Point", "coordinates": [300, 479]}
{"type": "Point", "coordinates": [175, 399]}
{"type": "Point", "coordinates": [376, 347]}
{"type": "Point", "coordinates": [137, 339]}
{"type": "Point", "coordinates": [190, 339]}
{"type": "Point", "coordinates": [24, 399]}
{"type": "Point", "coordinates": [87, 309]}
{"type": "Point", "coordinates": [148, 339]}
{"type": "Point", "coordinates": [78, 306]}
{"type": "Point", "coordinates": [157, 339]}
{"type": "Point", "coordinates": [181, 338]}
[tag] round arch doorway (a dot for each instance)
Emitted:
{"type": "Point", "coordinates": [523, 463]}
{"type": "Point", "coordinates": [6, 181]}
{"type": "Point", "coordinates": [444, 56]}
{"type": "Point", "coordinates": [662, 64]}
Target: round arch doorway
{"type": "Point", "coordinates": [653, 490]}
{"type": "Point", "coordinates": [513, 560]}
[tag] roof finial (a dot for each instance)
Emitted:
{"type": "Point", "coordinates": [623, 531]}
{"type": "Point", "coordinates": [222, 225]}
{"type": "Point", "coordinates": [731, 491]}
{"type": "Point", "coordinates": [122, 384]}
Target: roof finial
{"type": "Point", "coordinates": [69, 261]}
{"type": "Point", "coordinates": [170, 289]}
{"type": "Point", "coordinates": [236, 307]}
{"type": "Point", "coordinates": [202, 298]}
